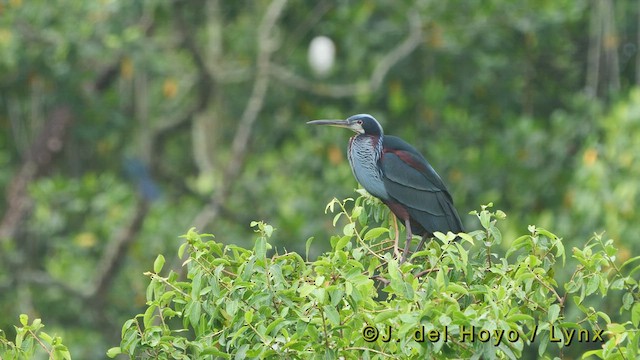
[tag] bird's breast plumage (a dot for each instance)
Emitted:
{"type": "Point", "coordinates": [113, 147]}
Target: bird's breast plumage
{"type": "Point", "coordinates": [364, 154]}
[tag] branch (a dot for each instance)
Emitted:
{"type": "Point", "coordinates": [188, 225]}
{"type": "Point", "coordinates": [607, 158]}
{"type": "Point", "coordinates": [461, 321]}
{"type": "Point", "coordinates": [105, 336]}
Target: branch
{"type": "Point", "coordinates": [114, 256]}
{"type": "Point", "coordinates": [638, 48]}
{"type": "Point", "coordinates": [359, 88]}
{"type": "Point", "coordinates": [266, 47]}
{"type": "Point", "coordinates": [48, 143]}
{"type": "Point", "coordinates": [206, 84]}
{"type": "Point", "coordinates": [46, 280]}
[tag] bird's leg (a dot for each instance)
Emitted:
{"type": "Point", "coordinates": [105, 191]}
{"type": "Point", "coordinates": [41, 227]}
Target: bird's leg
{"type": "Point", "coordinates": [422, 241]}
{"type": "Point", "coordinates": [396, 252]}
{"type": "Point", "coordinates": [407, 227]}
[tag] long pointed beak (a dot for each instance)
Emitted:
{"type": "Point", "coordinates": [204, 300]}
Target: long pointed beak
{"type": "Point", "coordinates": [337, 123]}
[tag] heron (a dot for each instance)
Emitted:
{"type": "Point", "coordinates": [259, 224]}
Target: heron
{"type": "Point", "coordinates": [396, 173]}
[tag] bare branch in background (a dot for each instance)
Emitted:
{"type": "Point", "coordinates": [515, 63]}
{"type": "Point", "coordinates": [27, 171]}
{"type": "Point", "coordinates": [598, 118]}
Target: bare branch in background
{"type": "Point", "coordinates": [39, 156]}
{"type": "Point", "coordinates": [638, 48]}
{"type": "Point", "coordinates": [593, 56]}
{"type": "Point", "coordinates": [376, 79]}
{"type": "Point", "coordinates": [266, 47]}
{"type": "Point", "coordinates": [603, 68]}
{"type": "Point", "coordinates": [610, 45]}
{"type": "Point", "coordinates": [116, 253]}
{"type": "Point", "coordinates": [206, 83]}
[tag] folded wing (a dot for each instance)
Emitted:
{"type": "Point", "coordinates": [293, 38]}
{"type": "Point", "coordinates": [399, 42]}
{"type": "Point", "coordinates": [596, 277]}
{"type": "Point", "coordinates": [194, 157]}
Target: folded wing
{"type": "Point", "coordinates": [411, 181]}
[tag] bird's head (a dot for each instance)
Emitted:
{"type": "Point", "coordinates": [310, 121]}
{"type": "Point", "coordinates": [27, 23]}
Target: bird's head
{"type": "Point", "coordinates": [361, 124]}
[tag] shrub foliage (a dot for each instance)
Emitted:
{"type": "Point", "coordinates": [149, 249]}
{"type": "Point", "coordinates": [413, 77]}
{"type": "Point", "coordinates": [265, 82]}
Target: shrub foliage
{"type": "Point", "coordinates": [456, 298]}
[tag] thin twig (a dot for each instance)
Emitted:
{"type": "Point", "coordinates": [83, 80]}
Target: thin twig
{"type": "Point", "coordinates": [41, 343]}
{"type": "Point", "coordinates": [552, 290]}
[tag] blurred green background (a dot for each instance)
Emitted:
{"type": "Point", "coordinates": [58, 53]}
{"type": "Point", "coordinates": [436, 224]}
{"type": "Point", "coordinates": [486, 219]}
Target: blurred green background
{"type": "Point", "coordinates": [124, 123]}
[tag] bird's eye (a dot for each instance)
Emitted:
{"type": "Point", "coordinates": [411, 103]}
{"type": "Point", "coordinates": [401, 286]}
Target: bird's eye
{"type": "Point", "coordinates": [359, 122]}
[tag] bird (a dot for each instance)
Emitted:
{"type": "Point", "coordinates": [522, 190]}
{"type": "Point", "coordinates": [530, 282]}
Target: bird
{"type": "Point", "coordinates": [396, 173]}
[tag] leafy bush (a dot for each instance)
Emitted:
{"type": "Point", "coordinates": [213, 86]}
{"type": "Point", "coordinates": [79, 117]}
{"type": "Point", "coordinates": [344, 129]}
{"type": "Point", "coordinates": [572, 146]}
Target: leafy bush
{"type": "Point", "coordinates": [454, 299]}
{"type": "Point", "coordinates": [31, 341]}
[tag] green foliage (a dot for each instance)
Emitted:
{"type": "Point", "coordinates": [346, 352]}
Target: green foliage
{"type": "Point", "coordinates": [490, 94]}
{"type": "Point", "coordinates": [605, 191]}
{"type": "Point", "coordinates": [454, 299]}
{"type": "Point", "coordinates": [31, 341]}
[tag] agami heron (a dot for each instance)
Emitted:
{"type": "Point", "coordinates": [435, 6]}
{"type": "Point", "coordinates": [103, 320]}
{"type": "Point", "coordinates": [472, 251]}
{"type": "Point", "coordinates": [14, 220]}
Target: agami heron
{"type": "Point", "coordinates": [397, 174]}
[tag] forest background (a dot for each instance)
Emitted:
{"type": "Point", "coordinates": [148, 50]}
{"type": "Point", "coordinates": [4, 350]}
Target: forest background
{"type": "Point", "coordinates": [124, 123]}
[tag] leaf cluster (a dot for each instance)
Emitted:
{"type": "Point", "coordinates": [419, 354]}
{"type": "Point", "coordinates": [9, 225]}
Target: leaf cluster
{"type": "Point", "coordinates": [456, 298]}
{"type": "Point", "coordinates": [30, 341]}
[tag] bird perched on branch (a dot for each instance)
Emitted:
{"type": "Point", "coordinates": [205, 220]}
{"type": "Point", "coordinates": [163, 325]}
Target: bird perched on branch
{"type": "Point", "coordinates": [397, 174]}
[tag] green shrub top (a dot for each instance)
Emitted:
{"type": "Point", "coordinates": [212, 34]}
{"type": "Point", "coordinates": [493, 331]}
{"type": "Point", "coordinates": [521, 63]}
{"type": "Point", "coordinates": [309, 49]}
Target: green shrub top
{"type": "Point", "coordinates": [457, 298]}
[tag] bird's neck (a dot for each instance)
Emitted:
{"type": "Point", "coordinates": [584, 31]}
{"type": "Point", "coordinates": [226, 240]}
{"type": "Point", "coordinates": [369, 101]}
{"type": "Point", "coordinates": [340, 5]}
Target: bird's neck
{"type": "Point", "coordinates": [364, 156]}
{"type": "Point", "coordinates": [369, 144]}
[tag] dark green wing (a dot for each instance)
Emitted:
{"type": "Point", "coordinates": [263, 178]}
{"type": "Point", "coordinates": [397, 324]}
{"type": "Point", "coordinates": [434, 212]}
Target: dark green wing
{"type": "Point", "coordinates": [411, 182]}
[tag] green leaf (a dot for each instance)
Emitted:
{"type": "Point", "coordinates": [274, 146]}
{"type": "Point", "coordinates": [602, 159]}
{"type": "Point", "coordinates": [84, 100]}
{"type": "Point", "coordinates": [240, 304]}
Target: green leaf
{"type": "Point", "coordinates": [519, 317]}
{"type": "Point", "coordinates": [24, 319]}
{"type": "Point", "coordinates": [554, 311]}
{"type": "Point", "coordinates": [392, 268]}
{"type": "Point", "coordinates": [453, 287]}
{"type": "Point", "coordinates": [384, 315]}
{"type": "Point", "coordinates": [546, 233]}
{"type": "Point", "coordinates": [604, 316]}
{"type": "Point", "coordinates": [268, 230]}
{"type": "Point", "coordinates": [158, 264]}
{"type": "Point", "coordinates": [349, 229]}
{"type": "Point", "coordinates": [261, 247]}
{"type": "Point", "coordinates": [273, 325]}
{"type": "Point", "coordinates": [484, 219]}
{"type": "Point", "coordinates": [343, 242]}
{"type": "Point", "coordinates": [330, 206]}
{"type": "Point", "coordinates": [148, 316]}
{"type": "Point", "coordinates": [215, 352]}
{"type": "Point", "coordinates": [332, 314]}
{"type": "Point", "coordinates": [635, 314]}
{"type": "Point", "coordinates": [20, 337]}
{"type": "Point", "coordinates": [355, 213]}
{"type": "Point", "coordinates": [232, 307]}
{"type": "Point", "coordinates": [592, 284]}
{"type": "Point", "coordinates": [628, 262]}
{"type": "Point", "coordinates": [593, 353]}
{"type": "Point", "coordinates": [496, 234]}
{"type": "Point", "coordinates": [181, 250]}
{"type": "Point", "coordinates": [196, 285]}
{"type": "Point", "coordinates": [616, 328]}
{"type": "Point", "coordinates": [248, 316]}
{"type": "Point", "coordinates": [307, 246]}
{"type": "Point", "coordinates": [518, 243]}
{"type": "Point", "coordinates": [46, 337]}
{"type": "Point", "coordinates": [375, 233]}
{"type": "Point", "coordinates": [466, 237]}
{"type": "Point", "coordinates": [193, 313]}
{"type": "Point", "coordinates": [336, 218]}
{"type": "Point", "coordinates": [306, 289]}
{"type": "Point", "coordinates": [114, 351]}
{"type": "Point", "coordinates": [627, 300]}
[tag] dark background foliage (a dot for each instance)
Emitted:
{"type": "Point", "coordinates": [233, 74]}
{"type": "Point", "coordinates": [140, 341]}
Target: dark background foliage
{"type": "Point", "coordinates": [125, 123]}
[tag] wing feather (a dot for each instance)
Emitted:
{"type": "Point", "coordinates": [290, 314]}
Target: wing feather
{"type": "Point", "coordinates": [411, 181]}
